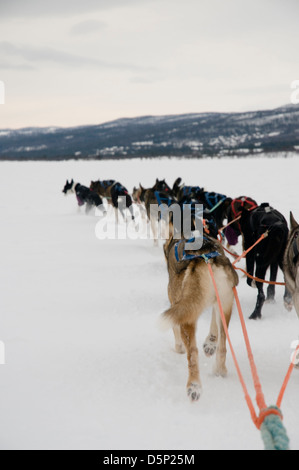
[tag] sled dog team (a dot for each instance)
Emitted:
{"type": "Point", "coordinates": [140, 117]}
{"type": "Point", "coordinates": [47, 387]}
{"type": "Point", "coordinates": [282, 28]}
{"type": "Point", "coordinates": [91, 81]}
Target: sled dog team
{"type": "Point", "coordinates": [190, 287]}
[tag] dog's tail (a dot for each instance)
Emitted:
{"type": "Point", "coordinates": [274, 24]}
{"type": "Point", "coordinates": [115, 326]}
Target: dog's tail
{"type": "Point", "coordinates": [175, 315]}
{"type": "Point", "coordinates": [197, 292]}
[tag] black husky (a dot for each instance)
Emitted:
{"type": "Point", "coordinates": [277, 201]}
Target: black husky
{"type": "Point", "coordinates": [268, 253]}
{"type": "Point", "coordinates": [83, 194]}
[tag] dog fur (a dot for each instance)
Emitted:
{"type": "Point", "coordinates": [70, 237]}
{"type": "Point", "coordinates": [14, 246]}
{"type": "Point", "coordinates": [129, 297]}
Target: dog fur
{"type": "Point", "coordinates": [190, 292]}
{"type": "Point", "coordinates": [291, 264]}
{"type": "Point", "coordinates": [150, 199]}
{"type": "Point", "coordinates": [83, 194]}
{"type": "Point", "coordinates": [268, 253]}
{"type": "Point", "coordinates": [234, 210]}
{"type": "Point", "coordinates": [112, 190]}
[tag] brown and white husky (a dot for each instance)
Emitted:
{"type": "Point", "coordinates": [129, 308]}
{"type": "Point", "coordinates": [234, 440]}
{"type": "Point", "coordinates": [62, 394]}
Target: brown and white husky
{"type": "Point", "coordinates": [191, 291]}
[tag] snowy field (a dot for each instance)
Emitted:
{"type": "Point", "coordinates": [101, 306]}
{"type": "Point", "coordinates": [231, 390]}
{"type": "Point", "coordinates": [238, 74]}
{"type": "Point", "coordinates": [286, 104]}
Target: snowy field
{"type": "Point", "coordinates": [86, 364]}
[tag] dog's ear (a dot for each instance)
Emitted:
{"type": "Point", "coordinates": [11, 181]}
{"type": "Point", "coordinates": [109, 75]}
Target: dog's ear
{"type": "Point", "coordinates": [72, 181]}
{"type": "Point", "coordinates": [227, 202]}
{"type": "Point", "coordinates": [293, 222]}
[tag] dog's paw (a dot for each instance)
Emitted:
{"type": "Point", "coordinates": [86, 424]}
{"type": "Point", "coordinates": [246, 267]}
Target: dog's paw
{"type": "Point", "coordinates": [180, 348]}
{"type": "Point", "coordinates": [210, 346]}
{"type": "Point", "coordinates": [288, 305]}
{"type": "Point", "coordinates": [220, 371]}
{"type": "Point", "coordinates": [194, 391]}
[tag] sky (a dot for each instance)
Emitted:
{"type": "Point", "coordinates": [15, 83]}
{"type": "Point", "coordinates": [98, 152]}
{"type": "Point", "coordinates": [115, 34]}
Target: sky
{"type": "Point", "coordinates": [73, 62]}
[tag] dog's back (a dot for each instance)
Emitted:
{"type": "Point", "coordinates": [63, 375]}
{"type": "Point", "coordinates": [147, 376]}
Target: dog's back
{"type": "Point", "coordinates": [189, 280]}
{"type": "Point", "coordinates": [86, 195]}
{"type": "Point", "coordinates": [265, 218]}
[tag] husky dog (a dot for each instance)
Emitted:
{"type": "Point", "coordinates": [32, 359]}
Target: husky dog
{"type": "Point", "coordinates": [190, 292]}
{"type": "Point", "coordinates": [138, 195]}
{"type": "Point", "coordinates": [182, 192]}
{"type": "Point", "coordinates": [217, 204]}
{"type": "Point", "coordinates": [159, 194]}
{"type": "Point", "coordinates": [83, 194]}
{"type": "Point", "coordinates": [268, 253]}
{"type": "Point", "coordinates": [112, 190]}
{"type": "Point", "coordinates": [291, 265]}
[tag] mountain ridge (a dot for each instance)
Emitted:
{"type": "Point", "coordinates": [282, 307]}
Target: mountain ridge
{"type": "Point", "coordinates": [197, 135]}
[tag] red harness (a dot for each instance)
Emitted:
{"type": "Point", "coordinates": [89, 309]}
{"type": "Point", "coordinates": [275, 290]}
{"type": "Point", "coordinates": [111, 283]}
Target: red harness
{"type": "Point", "coordinates": [243, 201]}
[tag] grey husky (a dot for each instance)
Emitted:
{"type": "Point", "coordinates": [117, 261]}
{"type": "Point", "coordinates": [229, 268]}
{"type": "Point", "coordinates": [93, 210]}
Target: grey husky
{"type": "Point", "coordinates": [291, 264]}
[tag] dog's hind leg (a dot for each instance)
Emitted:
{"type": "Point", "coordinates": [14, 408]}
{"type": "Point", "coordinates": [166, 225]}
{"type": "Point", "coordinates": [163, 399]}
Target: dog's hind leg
{"type": "Point", "coordinates": [154, 226]}
{"type": "Point", "coordinates": [179, 345]}
{"type": "Point", "coordinates": [296, 302]}
{"type": "Point", "coordinates": [210, 344]}
{"type": "Point", "coordinates": [260, 273]}
{"type": "Point", "coordinates": [271, 287]}
{"type": "Point", "coordinates": [88, 208]}
{"type": "Point", "coordinates": [129, 206]}
{"type": "Point", "coordinates": [189, 339]}
{"type": "Point", "coordinates": [288, 301]}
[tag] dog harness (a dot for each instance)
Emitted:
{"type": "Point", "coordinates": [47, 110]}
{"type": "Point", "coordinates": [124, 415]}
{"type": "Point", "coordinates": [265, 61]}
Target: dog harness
{"type": "Point", "coordinates": [213, 200]}
{"type": "Point", "coordinates": [188, 257]}
{"type": "Point", "coordinates": [242, 201]}
{"type": "Point", "coordinates": [163, 199]}
{"type": "Point", "coordinates": [79, 200]}
{"type": "Point", "coordinates": [106, 183]}
{"type": "Point", "coordinates": [120, 189]}
{"type": "Point", "coordinates": [188, 190]}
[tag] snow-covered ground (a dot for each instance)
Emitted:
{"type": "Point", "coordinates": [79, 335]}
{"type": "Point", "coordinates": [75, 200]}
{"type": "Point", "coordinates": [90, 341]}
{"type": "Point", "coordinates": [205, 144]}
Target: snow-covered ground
{"type": "Point", "coordinates": [86, 365]}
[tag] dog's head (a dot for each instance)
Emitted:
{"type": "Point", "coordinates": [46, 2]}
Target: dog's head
{"type": "Point", "coordinates": [136, 193]}
{"type": "Point", "coordinates": [69, 186]}
{"type": "Point", "coordinates": [93, 185]}
{"type": "Point", "coordinates": [161, 185]}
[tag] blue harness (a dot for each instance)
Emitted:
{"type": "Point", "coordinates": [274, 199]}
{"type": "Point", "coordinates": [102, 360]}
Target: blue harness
{"type": "Point", "coordinates": [119, 188]}
{"type": "Point", "coordinates": [214, 200]}
{"type": "Point", "coordinates": [188, 257]}
{"type": "Point", "coordinates": [106, 183]}
{"type": "Point", "coordinates": [163, 199]}
{"type": "Point", "coordinates": [188, 190]}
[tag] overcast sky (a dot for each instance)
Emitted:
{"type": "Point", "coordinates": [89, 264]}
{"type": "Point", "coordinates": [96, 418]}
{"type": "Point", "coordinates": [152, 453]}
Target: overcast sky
{"type": "Point", "coordinates": [76, 62]}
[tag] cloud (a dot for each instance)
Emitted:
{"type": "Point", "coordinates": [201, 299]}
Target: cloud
{"type": "Point", "coordinates": [5, 65]}
{"type": "Point", "coordinates": [58, 8]}
{"type": "Point", "coordinates": [40, 55]}
{"type": "Point", "coordinates": [88, 27]}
